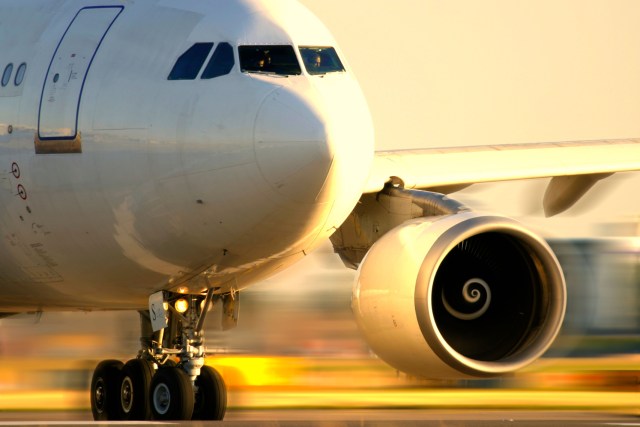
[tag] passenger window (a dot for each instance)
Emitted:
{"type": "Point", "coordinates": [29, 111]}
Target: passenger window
{"type": "Point", "coordinates": [321, 60]}
{"type": "Point", "coordinates": [221, 62]}
{"type": "Point", "coordinates": [189, 63]}
{"type": "Point", "coordinates": [22, 69]}
{"type": "Point", "coordinates": [6, 75]}
{"type": "Point", "coordinates": [280, 60]}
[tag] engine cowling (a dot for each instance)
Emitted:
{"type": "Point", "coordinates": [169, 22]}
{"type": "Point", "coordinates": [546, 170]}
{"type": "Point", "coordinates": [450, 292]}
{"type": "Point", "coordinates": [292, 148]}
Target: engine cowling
{"type": "Point", "coordinates": [464, 295]}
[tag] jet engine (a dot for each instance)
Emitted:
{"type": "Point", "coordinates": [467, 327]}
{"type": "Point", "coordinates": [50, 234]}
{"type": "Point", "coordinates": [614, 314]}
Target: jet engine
{"type": "Point", "coordinates": [458, 296]}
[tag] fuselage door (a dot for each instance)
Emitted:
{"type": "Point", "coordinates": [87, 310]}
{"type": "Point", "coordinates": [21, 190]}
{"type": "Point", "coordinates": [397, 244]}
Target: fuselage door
{"type": "Point", "coordinates": [65, 79]}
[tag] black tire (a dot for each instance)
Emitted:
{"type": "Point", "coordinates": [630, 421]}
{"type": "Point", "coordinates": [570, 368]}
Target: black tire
{"type": "Point", "coordinates": [135, 386]}
{"type": "Point", "coordinates": [210, 396]}
{"type": "Point", "coordinates": [105, 391]}
{"type": "Point", "coordinates": [171, 396]}
{"type": "Point", "coordinates": [169, 363]}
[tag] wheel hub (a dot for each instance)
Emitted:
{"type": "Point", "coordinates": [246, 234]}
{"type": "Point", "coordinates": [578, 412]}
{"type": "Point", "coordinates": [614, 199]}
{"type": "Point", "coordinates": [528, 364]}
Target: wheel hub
{"type": "Point", "coordinates": [126, 394]}
{"type": "Point", "coordinates": [99, 394]}
{"type": "Point", "coordinates": [161, 398]}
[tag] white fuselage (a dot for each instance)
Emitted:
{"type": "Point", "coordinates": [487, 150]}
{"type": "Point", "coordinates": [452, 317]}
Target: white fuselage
{"type": "Point", "coordinates": [144, 183]}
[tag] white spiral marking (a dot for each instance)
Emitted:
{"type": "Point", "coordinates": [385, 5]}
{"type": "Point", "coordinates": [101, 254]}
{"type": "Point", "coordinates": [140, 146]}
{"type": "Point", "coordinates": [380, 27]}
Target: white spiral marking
{"type": "Point", "coordinates": [471, 296]}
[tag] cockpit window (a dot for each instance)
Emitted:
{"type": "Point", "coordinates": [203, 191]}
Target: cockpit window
{"type": "Point", "coordinates": [221, 62]}
{"type": "Point", "coordinates": [189, 64]}
{"type": "Point", "coordinates": [280, 60]}
{"type": "Point", "coordinates": [320, 60]}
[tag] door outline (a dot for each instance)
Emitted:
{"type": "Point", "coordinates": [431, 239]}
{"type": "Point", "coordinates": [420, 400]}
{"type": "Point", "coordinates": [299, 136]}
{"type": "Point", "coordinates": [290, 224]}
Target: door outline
{"type": "Point", "coordinates": [71, 143]}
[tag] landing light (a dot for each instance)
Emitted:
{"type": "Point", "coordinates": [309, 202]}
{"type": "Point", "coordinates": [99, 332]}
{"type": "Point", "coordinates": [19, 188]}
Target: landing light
{"type": "Point", "coordinates": [181, 305]}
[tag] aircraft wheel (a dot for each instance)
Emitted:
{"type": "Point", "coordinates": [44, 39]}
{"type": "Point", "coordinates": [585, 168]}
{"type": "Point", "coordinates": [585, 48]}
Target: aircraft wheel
{"type": "Point", "coordinates": [171, 395]}
{"type": "Point", "coordinates": [211, 395]}
{"type": "Point", "coordinates": [135, 384]}
{"type": "Point", "coordinates": [169, 363]}
{"type": "Point", "coordinates": [104, 390]}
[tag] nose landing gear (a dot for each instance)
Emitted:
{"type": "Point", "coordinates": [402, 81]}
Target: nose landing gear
{"type": "Point", "coordinates": [154, 386]}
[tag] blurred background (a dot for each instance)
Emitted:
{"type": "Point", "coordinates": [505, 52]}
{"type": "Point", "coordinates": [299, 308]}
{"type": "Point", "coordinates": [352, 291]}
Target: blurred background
{"type": "Point", "coordinates": [297, 345]}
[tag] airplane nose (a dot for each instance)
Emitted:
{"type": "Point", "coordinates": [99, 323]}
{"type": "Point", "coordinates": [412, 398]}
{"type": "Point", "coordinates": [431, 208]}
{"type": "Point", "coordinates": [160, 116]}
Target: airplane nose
{"type": "Point", "coordinates": [291, 146]}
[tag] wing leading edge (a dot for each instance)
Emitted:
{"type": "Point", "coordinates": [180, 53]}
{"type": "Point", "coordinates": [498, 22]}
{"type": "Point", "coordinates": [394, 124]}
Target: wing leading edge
{"type": "Point", "coordinates": [575, 166]}
{"type": "Point", "coordinates": [440, 167]}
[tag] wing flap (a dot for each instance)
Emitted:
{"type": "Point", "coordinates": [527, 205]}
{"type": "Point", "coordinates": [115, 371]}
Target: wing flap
{"type": "Point", "coordinates": [442, 167]}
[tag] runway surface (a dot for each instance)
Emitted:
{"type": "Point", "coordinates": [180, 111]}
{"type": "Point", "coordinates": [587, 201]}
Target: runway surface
{"type": "Point", "coordinates": [352, 418]}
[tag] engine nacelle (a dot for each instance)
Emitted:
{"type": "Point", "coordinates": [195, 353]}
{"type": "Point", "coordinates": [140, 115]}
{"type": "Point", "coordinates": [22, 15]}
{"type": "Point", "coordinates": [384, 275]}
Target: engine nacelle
{"type": "Point", "coordinates": [464, 295]}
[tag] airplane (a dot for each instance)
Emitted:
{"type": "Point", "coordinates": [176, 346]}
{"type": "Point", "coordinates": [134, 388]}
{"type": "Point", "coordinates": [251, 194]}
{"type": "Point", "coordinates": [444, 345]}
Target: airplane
{"type": "Point", "coordinates": [163, 156]}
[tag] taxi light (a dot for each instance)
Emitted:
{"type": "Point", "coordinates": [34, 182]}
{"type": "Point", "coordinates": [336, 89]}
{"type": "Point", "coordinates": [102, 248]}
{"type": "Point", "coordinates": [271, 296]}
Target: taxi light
{"type": "Point", "coordinates": [181, 305]}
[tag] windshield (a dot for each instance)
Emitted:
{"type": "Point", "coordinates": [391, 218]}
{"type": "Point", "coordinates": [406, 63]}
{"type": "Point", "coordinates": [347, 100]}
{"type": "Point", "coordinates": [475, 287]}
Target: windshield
{"type": "Point", "coordinates": [280, 60]}
{"type": "Point", "coordinates": [320, 60]}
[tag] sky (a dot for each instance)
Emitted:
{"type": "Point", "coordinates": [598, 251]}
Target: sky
{"type": "Point", "coordinates": [468, 72]}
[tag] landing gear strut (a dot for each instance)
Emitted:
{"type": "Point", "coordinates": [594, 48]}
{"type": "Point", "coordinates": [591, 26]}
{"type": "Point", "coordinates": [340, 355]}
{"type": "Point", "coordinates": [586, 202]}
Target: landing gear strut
{"type": "Point", "coordinates": [154, 385]}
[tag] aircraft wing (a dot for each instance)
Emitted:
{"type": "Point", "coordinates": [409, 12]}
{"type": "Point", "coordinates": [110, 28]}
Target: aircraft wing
{"type": "Point", "coordinates": [576, 166]}
{"type": "Point", "coordinates": [439, 167]}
